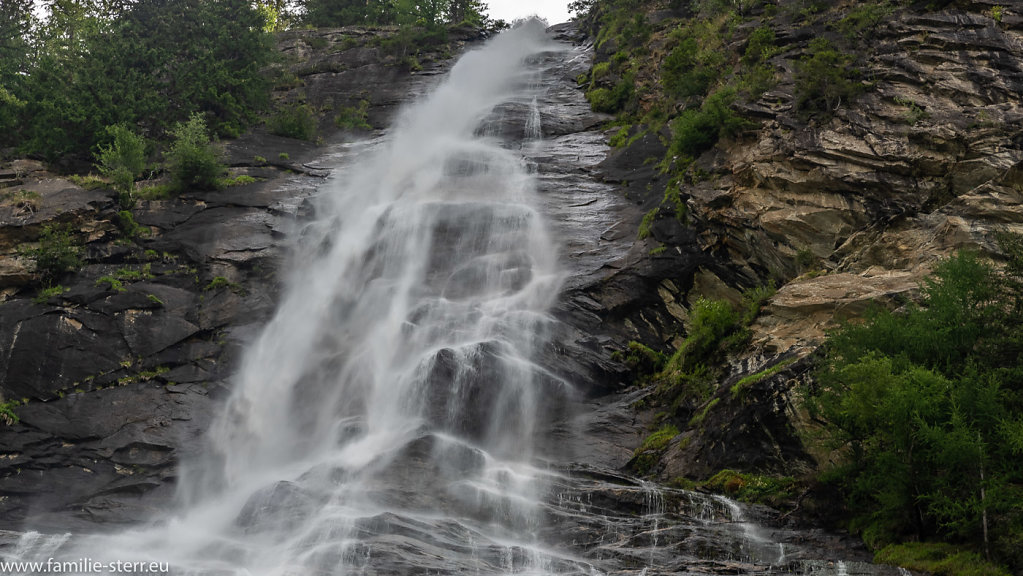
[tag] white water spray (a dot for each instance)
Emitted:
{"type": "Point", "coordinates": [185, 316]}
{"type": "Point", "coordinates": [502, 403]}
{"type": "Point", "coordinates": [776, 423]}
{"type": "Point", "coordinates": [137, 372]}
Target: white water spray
{"type": "Point", "coordinates": [388, 411]}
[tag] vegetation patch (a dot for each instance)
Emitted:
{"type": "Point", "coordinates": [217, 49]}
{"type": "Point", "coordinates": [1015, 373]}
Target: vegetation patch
{"type": "Point", "coordinates": [294, 121]}
{"type": "Point", "coordinates": [46, 293]}
{"type": "Point", "coordinates": [938, 558]}
{"type": "Point", "coordinates": [354, 117]}
{"type": "Point", "coordinates": [193, 161]}
{"type": "Point", "coordinates": [753, 488]}
{"type": "Point", "coordinates": [7, 414]}
{"type": "Point", "coordinates": [57, 254]}
{"type": "Point", "coordinates": [740, 388]}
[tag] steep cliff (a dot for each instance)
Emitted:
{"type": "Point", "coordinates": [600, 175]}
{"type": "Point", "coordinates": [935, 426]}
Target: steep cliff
{"type": "Point", "coordinates": [834, 152]}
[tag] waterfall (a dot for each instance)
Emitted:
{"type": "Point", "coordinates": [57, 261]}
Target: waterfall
{"type": "Point", "coordinates": [392, 418]}
{"type": "Point", "coordinates": [389, 409]}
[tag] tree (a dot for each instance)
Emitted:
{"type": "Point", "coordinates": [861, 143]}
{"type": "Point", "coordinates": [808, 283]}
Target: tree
{"type": "Point", "coordinates": [147, 64]}
{"type": "Point", "coordinates": [193, 161]}
{"type": "Point", "coordinates": [329, 13]}
{"type": "Point", "coordinates": [926, 405]}
{"type": "Point", "coordinates": [123, 160]}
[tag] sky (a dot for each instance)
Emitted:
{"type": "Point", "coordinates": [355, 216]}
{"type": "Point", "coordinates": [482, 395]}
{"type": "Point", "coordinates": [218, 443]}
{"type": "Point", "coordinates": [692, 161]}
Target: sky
{"type": "Point", "coordinates": [555, 11]}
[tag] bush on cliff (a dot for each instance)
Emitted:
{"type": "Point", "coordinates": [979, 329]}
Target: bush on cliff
{"type": "Point", "coordinates": [193, 161]}
{"type": "Point", "coordinates": [927, 407]}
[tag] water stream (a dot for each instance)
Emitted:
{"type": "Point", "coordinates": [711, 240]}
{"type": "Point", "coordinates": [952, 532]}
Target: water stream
{"type": "Point", "coordinates": [392, 417]}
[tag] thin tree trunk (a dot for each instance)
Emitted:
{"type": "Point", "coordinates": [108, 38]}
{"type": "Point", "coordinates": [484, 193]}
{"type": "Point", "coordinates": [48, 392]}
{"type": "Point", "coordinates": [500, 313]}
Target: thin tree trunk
{"type": "Point", "coordinates": [983, 503]}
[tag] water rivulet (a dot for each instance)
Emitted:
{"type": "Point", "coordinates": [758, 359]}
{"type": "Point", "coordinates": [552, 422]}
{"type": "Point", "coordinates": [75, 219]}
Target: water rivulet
{"type": "Point", "coordinates": [401, 413]}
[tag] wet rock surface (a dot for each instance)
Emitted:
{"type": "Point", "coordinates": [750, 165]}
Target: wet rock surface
{"type": "Point", "coordinates": [115, 378]}
{"type": "Point", "coordinates": [120, 384]}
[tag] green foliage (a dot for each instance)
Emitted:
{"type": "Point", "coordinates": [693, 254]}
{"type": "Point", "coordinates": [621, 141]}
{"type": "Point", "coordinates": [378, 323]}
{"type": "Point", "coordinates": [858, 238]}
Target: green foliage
{"type": "Point", "coordinates": [691, 69]}
{"type": "Point", "coordinates": [710, 321]}
{"type": "Point", "coordinates": [696, 131]}
{"type": "Point", "coordinates": [739, 388]}
{"type": "Point", "coordinates": [240, 180]}
{"type": "Point", "coordinates": [192, 160]}
{"type": "Point", "coordinates": [760, 46]}
{"type": "Point", "coordinates": [57, 254]}
{"type": "Point", "coordinates": [46, 293]}
{"type": "Point", "coordinates": [130, 275]}
{"type": "Point", "coordinates": [996, 13]}
{"type": "Point", "coordinates": [620, 138]}
{"type": "Point", "coordinates": [928, 404]}
{"type": "Point", "coordinates": [939, 559]}
{"type": "Point", "coordinates": [7, 414]}
{"type": "Point", "coordinates": [752, 488]}
{"type": "Point", "coordinates": [863, 19]}
{"type": "Point", "coordinates": [220, 282]}
{"type": "Point", "coordinates": [805, 259]}
{"type": "Point", "coordinates": [642, 360]}
{"type": "Point", "coordinates": [914, 113]}
{"type": "Point", "coordinates": [354, 118]}
{"type": "Point", "coordinates": [127, 225]}
{"type": "Point", "coordinates": [698, 418]}
{"type": "Point", "coordinates": [754, 299]}
{"type": "Point", "coordinates": [755, 81]}
{"type": "Point", "coordinates": [646, 457]}
{"type": "Point", "coordinates": [284, 156]}
{"type": "Point", "coordinates": [612, 100]}
{"type": "Point", "coordinates": [295, 121]}
{"type": "Point", "coordinates": [155, 299]}
{"type": "Point", "coordinates": [145, 64]}
{"type": "Point", "coordinates": [646, 226]}
{"type": "Point", "coordinates": [111, 282]}
{"type": "Point", "coordinates": [89, 182]}
{"type": "Point", "coordinates": [824, 77]}
{"type": "Point", "coordinates": [122, 160]}
{"type": "Point", "coordinates": [659, 440]}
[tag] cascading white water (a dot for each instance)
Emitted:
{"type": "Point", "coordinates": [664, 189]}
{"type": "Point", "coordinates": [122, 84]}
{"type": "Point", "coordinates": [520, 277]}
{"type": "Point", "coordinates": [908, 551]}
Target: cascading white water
{"type": "Point", "coordinates": [391, 417]}
{"type": "Point", "coordinates": [389, 409]}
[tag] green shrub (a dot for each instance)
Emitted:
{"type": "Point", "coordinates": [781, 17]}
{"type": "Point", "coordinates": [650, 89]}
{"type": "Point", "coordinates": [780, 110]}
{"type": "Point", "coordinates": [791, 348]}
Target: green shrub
{"type": "Point", "coordinates": [690, 71]}
{"type": "Point", "coordinates": [939, 559]}
{"type": "Point", "coordinates": [46, 293]}
{"type": "Point", "coordinates": [752, 488]}
{"type": "Point", "coordinates": [760, 46]}
{"type": "Point", "coordinates": [295, 121]}
{"type": "Point", "coordinates": [863, 19]}
{"type": "Point", "coordinates": [824, 77]}
{"type": "Point", "coordinates": [612, 100]}
{"type": "Point", "coordinates": [739, 388]}
{"type": "Point", "coordinates": [354, 118]}
{"type": "Point", "coordinates": [754, 299]}
{"type": "Point", "coordinates": [928, 409]}
{"type": "Point", "coordinates": [194, 162]}
{"type": "Point", "coordinates": [127, 225]}
{"type": "Point", "coordinates": [219, 282]}
{"type": "Point", "coordinates": [7, 415]}
{"type": "Point", "coordinates": [111, 282]}
{"type": "Point", "coordinates": [620, 138]}
{"type": "Point", "coordinates": [698, 418]}
{"type": "Point", "coordinates": [646, 457]}
{"type": "Point", "coordinates": [696, 131]}
{"type": "Point", "coordinates": [57, 254]}
{"type": "Point", "coordinates": [643, 360]}
{"type": "Point", "coordinates": [123, 161]}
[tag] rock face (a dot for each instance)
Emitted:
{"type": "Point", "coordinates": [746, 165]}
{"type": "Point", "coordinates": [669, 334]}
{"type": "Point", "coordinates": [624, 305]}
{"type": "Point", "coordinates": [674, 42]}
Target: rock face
{"type": "Point", "coordinates": [114, 376]}
{"type": "Point", "coordinates": [842, 213]}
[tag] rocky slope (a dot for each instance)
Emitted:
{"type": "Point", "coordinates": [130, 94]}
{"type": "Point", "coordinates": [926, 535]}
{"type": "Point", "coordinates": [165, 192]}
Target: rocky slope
{"type": "Point", "coordinates": [114, 378]}
{"type": "Point", "coordinates": [841, 211]}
